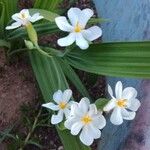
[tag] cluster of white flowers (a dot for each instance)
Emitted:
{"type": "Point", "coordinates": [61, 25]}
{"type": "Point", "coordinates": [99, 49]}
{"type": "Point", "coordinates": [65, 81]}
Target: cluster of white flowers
{"type": "Point", "coordinates": [77, 32]}
{"type": "Point", "coordinates": [84, 119]}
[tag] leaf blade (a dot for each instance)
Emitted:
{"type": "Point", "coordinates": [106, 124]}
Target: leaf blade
{"type": "Point", "coordinates": [123, 59]}
{"type": "Point", "coordinates": [50, 77]}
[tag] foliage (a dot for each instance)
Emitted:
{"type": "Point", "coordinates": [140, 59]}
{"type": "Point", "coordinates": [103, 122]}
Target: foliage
{"type": "Point", "coordinates": [8, 8]}
{"type": "Point", "coordinates": [123, 59]}
{"type": "Point", "coordinates": [51, 79]}
{"type": "Point", "coordinates": [52, 5]}
{"type": "Point", "coordinates": [101, 102]}
{"type": "Point", "coordinates": [31, 120]}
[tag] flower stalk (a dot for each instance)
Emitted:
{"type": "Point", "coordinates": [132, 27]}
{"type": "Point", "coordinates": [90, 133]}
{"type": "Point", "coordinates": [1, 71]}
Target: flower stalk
{"type": "Point", "coordinates": [31, 131]}
{"type": "Point", "coordinates": [32, 34]}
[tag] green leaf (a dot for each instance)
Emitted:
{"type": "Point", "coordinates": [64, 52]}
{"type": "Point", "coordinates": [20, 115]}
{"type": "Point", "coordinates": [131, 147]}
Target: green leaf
{"type": "Point", "coordinates": [61, 126]}
{"type": "Point", "coordinates": [50, 78]}
{"type": "Point", "coordinates": [97, 20]}
{"type": "Point", "coordinates": [2, 20]}
{"type": "Point", "coordinates": [52, 5]}
{"type": "Point", "coordinates": [6, 134]}
{"type": "Point", "coordinates": [121, 59]}
{"type": "Point", "coordinates": [4, 43]}
{"type": "Point", "coordinates": [8, 8]}
{"type": "Point", "coordinates": [101, 102]}
{"type": "Point", "coordinates": [48, 15]}
{"type": "Point", "coordinates": [42, 29]}
{"type": "Point", "coordinates": [73, 77]}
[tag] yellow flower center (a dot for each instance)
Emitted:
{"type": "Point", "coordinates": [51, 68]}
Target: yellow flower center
{"type": "Point", "coordinates": [62, 105]}
{"type": "Point", "coordinates": [77, 28]}
{"type": "Point", "coordinates": [86, 119]}
{"type": "Point", "coordinates": [23, 16]}
{"type": "Point", "coordinates": [122, 102]}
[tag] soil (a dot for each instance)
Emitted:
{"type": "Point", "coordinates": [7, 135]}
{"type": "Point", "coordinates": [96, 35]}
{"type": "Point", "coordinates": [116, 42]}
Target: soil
{"type": "Point", "coordinates": [18, 86]}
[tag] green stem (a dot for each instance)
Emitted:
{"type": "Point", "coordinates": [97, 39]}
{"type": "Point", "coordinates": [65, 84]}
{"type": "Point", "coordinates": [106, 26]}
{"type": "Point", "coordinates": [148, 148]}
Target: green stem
{"type": "Point", "coordinates": [41, 51]}
{"type": "Point", "coordinates": [67, 50]}
{"type": "Point", "coordinates": [32, 130]}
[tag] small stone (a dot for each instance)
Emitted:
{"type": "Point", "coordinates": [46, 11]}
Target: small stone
{"type": "Point", "coordinates": [60, 148]}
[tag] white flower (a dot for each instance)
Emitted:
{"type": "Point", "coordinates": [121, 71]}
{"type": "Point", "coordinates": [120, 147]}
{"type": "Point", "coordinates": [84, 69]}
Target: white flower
{"type": "Point", "coordinates": [62, 105]}
{"type": "Point", "coordinates": [77, 32]}
{"type": "Point", "coordinates": [84, 117]}
{"type": "Point", "coordinates": [23, 18]}
{"type": "Point", "coordinates": [124, 105]}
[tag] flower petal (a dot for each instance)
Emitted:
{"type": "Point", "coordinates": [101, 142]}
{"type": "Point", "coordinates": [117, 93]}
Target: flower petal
{"type": "Point", "coordinates": [13, 26]}
{"type": "Point", "coordinates": [16, 17]}
{"type": "Point", "coordinates": [93, 131]}
{"type": "Point", "coordinates": [70, 103]}
{"type": "Point", "coordinates": [36, 17]}
{"type": "Point", "coordinates": [85, 137]}
{"type": "Point", "coordinates": [76, 111]}
{"type": "Point", "coordinates": [92, 109]}
{"type": "Point", "coordinates": [118, 90]}
{"type": "Point", "coordinates": [110, 105]}
{"type": "Point", "coordinates": [63, 24]}
{"type": "Point", "coordinates": [99, 121]}
{"type": "Point", "coordinates": [70, 121]}
{"type": "Point", "coordinates": [25, 11]}
{"type": "Point", "coordinates": [116, 117]}
{"type": "Point", "coordinates": [135, 104]}
{"type": "Point", "coordinates": [84, 105]}
{"type": "Point", "coordinates": [81, 42]}
{"type": "Point", "coordinates": [76, 127]}
{"type": "Point", "coordinates": [67, 112]}
{"type": "Point", "coordinates": [66, 41]}
{"type": "Point", "coordinates": [129, 93]}
{"type": "Point", "coordinates": [67, 95]}
{"type": "Point", "coordinates": [128, 115]}
{"type": "Point", "coordinates": [85, 15]}
{"type": "Point", "coordinates": [92, 33]}
{"type": "Point", "coordinates": [57, 118]}
{"type": "Point", "coordinates": [74, 15]}
{"type": "Point", "coordinates": [57, 97]}
{"type": "Point", "coordinates": [51, 106]}
{"type": "Point", "coordinates": [110, 91]}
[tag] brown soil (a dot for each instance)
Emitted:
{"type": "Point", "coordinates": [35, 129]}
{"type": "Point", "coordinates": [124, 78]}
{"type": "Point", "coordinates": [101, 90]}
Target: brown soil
{"type": "Point", "coordinates": [17, 87]}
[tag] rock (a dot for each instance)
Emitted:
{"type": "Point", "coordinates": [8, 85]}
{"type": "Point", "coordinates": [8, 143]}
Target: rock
{"type": "Point", "coordinates": [60, 148]}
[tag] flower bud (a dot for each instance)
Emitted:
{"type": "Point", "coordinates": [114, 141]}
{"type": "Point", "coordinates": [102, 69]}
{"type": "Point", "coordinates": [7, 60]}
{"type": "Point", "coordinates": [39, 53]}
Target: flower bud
{"type": "Point", "coordinates": [32, 33]}
{"type": "Point", "coordinates": [29, 44]}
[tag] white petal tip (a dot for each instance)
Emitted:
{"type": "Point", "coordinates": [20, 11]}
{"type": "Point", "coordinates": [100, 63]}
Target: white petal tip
{"type": "Point", "coordinates": [56, 119]}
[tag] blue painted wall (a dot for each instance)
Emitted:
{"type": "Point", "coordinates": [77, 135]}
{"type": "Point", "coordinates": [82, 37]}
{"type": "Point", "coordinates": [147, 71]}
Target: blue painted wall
{"type": "Point", "coordinates": [129, 20]}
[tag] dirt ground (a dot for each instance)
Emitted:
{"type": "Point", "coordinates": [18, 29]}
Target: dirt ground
{"type": "Point", "coordinates": [17, 86]}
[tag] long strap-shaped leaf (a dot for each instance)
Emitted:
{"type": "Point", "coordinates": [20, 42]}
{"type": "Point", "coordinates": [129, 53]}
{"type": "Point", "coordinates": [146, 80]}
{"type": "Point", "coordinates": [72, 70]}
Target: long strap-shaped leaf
{"type": "Point", "coordinates": [42, 29]}
{"type": "Point", "coordinates": [4, 43]}
{"type": "Point", "coordinates": [73, 77]}
{"type": "Point", "coordinates": [51, 5]}
{"type": "Point", "coordinates": [50, 78]}
{"type": "Point", "coordinates": [128, 59]}
{"type": "Point", "coordinates": [8, 8]}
